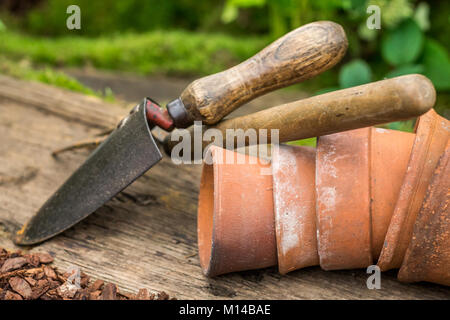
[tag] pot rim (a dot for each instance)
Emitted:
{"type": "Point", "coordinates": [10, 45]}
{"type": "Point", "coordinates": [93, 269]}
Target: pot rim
{"type": "Point", "coordinates": [296, 247]}
{"type": "Point", "coordinates": [236, 230]}
{"type": "Point", "coordinates": [421, 164]}
{"type": "Point", "coordinates": [207, 234]}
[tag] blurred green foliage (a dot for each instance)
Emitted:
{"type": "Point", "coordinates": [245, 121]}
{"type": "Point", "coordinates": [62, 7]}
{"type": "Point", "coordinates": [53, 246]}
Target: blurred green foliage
{"type": "Point", "coordinates": [145, 36]}
{"type": "Point", "coordinates": [310, 142]}
{"type": "Point", "coordinates": [105, 16]}
{"type": "Point", "coordinates": [155, 52]}
{"type": "Point", "coordinates": [100, 17]}
{"type": "Point", "coordinates": [354, 73]}
{"type": "Point", "coordinates": [24, 70]}
{"type": "Point", "coordinates": [407, 35]}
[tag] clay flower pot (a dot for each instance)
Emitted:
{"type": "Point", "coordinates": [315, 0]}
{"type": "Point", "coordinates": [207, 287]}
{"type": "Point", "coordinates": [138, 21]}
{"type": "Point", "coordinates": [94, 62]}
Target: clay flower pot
{"type": "Point", "coordinates": [343, 205]}
{"type": "Point", "coordinates": [428, 255]}
{"type": "Point", "coordinates": [343, 200]}
{"type": "Point", "coordinates": [293, 170]}
{"type": "Point", "coordinates": [236, 229]}
{"type": "Point", "coordinates": [389, 156]}
{"type": "Point", "coordinates": [246, 221]}
{"type": "Point", "coordinates": [432, 134]}
{"type": "Point", "coordinates": [295, 201]}
{"type": "Point", "coordinates": [358, 179]}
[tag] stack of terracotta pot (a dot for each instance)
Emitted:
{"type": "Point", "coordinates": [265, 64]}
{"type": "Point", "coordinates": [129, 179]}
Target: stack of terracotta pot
{"type": "Point", "coordinates": [361, 197]}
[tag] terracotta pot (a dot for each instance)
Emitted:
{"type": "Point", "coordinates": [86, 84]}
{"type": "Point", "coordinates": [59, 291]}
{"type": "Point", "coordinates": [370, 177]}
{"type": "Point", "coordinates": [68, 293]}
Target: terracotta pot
{"type": "Point", "coordinates": [389, 156]}
{"type": "Point", "coordinates": [343, 200]}
{"type": "Point", "coordinates": [359, 174]}
{"type": "Point", "coordinates": [332, 206]}
{"type": "Point", "coordinates": [293, 170]}
{"type": "Point", "coordinates": [428, 255]}
{"type": "Point", "coordinates": [236, 229]}
{"type": "Point", "coordinates": [432, 133]}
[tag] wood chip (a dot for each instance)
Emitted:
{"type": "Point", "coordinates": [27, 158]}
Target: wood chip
{"type": "Point", "coordinates": [12, 296]}
{"type": "Point", "coordinates": [143, 294]}
{"type": "Point", "coordinates": [31, 281]}
{"type": "Point", "coordinates": [109, 292]}
{"type": "Point", "coordinates": [50, 296]}
{"type": "Point", "coordinates": [39, 290]}
{"type": "Point", "coordinates": [52, 292]}
{"type": "Point", "coordinates": [53, 284]}
{"type": "Point", "coordinates": [44, 257]}
{"type": "Point", "coordinates": [42, 283]}
{"type": "Point", "coordinates": [30, 276]}
{"type": "Point", "coordinates": [33, 271]}
{"type": "Point", "coordinates": [21, 287]}
{"type": "Point", "coordinates": [84, 280]}
{"type": "Point", "coordinates": [127, 296]}
{"type": "Point", "coordinates": [32, 260]}
{"type": "Point", "coordinates": [97, 285]}
{"type": "Point", "coordinates": [163, 296]}
{"type": "Point", "coordinates": [95, 295]}
{"type": "Point", "coordinates": [67, 290]}
{"type": "Point", "coordinates": [13, 264]}
{"type": "Point", "coordinates": [50, 273]}
{"type": "Point", "coordinates": [82, 294]}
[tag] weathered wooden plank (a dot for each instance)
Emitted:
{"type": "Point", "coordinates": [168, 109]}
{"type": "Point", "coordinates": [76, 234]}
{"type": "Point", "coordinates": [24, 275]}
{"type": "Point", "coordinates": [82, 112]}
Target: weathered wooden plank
{"type": "Point", "coordinates": [66, 104]}
{"type": "Point", "coordinates": [146, 236]}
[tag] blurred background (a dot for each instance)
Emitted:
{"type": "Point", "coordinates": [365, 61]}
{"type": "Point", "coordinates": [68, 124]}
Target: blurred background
{"type": "Point", "coordinates": [126, 48]}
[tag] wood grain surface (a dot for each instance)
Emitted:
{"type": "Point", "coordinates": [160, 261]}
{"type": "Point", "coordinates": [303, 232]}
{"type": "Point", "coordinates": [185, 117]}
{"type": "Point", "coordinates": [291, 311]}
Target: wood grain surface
{"type": "Point", "coordinates": [146, 236]}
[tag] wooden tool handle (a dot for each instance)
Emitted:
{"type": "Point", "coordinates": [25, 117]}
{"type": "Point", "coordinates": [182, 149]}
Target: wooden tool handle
{"type": "Point", "coordinates": [362, 106]}
{"type": "Point", "coordinates": [297, 56]}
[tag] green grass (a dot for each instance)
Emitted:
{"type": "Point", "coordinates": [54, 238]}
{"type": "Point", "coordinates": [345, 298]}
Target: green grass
{"type": "Point", "coordinates": [24, 70]}
{"type": "Point", "coordinates": [158, 52]}
{"type": "Point", "coordinates": [407, 125]}
{"type": "Point", "coordinates": [310, 142]}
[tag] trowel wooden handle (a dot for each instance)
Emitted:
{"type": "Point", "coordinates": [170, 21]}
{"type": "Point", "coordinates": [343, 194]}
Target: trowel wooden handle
{"type": "Point", "coordinates": [297, 56]}
{"type": "Point", "coordinates": [362, 106]}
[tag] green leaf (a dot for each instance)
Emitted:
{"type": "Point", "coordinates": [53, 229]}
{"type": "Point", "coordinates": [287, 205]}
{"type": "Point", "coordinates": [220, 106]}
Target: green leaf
{"type": "Point", "coordinates": [406, 69]}
{"type": "Point", "coordinates": [247, 3]}
{"type": "Point", "coordinates": [230, 13]}
{"type": "Point", "coordinates": [354, 73]}
{"type": "Point", "coordinates": [359, 5]}
{"type": "Point", "coordinates": [310, 142]}
{"type": "Point", "coordinates": [437, 64]}
{"type": "Point", "coordinates": [2, 26]}
{"type": "Point", "coordinates": [333, 4]}
{"type": "Point", "coordinates": [231, 9]}
{"type": "Point", "coordinates": [404, 44]}
{"type": "Point", "coordinates": [393, 12]}
{"type": "Point", "coordinates": [366, 33]}
{"type": "Point", "coordinates": [326, 90]}
{"type": "Point", "coordinates": [407, 125]}
{"type": "Point", "coordinates": [422, 16]}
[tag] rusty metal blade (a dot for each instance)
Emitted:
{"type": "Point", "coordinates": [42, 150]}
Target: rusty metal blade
{"type": "Point", "coordinates": [124, 156]}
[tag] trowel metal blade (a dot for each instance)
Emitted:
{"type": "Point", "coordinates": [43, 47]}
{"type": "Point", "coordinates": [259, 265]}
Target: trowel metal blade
{"type": "Point", "coordinates": [124, 156]}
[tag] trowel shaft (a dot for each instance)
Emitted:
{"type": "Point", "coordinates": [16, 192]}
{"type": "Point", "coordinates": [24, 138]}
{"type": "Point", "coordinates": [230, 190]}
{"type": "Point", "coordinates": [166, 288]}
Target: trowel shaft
{"type": "Point", "coordinates": [370, 104]}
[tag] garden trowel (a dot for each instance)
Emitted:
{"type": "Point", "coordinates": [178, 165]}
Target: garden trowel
{"type": "Point", "coordinates": [131, 150]}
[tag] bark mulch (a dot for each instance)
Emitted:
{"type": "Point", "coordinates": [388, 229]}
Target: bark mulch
{"type": "Point", "coordinates": [30, 276]}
